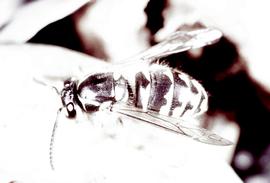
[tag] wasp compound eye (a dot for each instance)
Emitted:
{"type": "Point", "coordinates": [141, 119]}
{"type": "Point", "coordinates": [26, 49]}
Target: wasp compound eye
{"type": "Point", "coordinates": [71, 110]}
{"type": "Point", "coordinates": [67, 82]}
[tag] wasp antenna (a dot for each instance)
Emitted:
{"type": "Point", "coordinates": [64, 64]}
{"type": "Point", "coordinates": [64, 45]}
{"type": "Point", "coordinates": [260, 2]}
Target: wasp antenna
{"type": "Point", "coordinates": [52, 138]}
{"type": "Point", "coordinates": [45, 84]}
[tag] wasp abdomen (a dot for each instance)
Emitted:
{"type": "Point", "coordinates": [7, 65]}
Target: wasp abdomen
{"type": "Point", "coordinates": [166, 91]}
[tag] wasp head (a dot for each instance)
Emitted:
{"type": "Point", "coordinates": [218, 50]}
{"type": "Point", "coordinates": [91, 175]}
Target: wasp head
{"type": "Point", "coordinates": [69, 97]}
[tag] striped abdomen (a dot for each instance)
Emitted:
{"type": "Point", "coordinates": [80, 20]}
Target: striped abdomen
{"type": "Point", "coordinates": [163, 90]}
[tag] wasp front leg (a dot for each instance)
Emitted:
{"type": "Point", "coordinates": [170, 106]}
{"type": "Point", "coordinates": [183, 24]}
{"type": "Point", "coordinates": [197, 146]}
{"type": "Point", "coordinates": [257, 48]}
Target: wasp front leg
{"type": "Point", "coordinates": [108, 123]}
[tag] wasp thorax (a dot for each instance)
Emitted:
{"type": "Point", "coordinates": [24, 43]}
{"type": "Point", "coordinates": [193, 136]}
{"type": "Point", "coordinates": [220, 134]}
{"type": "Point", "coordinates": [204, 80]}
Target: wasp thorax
{"type": "Point", "coordinates": [96, 89]}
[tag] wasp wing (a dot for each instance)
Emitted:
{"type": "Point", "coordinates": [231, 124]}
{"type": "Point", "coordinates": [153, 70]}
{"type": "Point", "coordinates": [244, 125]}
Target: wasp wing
{"type": "Point", "coordinates": [180, 41]}
{"type": "Point", "coordinates": [172, 124]}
